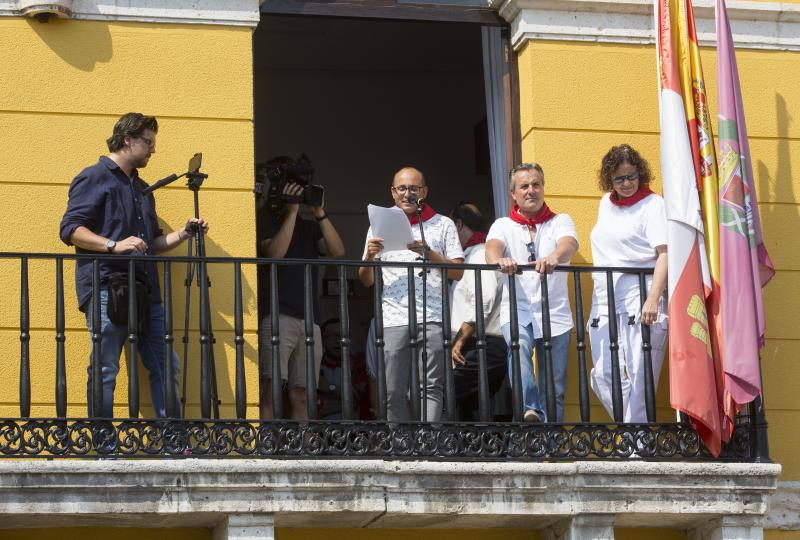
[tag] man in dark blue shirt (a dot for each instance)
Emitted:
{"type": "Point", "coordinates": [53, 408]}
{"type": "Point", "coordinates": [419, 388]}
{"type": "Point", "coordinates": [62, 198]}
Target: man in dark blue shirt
{"type": "Point", "coordinates": [108, 213]}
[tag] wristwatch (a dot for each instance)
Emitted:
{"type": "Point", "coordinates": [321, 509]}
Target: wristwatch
{"type": "Point", "coordinates": [110, 245]}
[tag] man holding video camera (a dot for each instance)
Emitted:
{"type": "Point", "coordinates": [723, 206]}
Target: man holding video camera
{"type": "Point", "coordinates": [108, 213]}
{"type": "Point", "coordinates": [284, 233]}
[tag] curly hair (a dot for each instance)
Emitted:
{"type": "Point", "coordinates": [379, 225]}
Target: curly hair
{"type": "Point", "coordinates": [616, 157]}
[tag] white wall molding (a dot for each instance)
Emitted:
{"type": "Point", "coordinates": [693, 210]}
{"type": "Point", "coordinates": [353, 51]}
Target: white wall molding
{"type": "Point", "coordinates": [382, 494]}
{"type": "Point", "coordinates": [757, 25]}
{"type": "Point", "coordinates": [216, 12]}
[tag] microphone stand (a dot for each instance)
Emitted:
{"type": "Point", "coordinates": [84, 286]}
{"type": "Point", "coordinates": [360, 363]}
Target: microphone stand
{"type": "Point", "coordinates": [424, 275]}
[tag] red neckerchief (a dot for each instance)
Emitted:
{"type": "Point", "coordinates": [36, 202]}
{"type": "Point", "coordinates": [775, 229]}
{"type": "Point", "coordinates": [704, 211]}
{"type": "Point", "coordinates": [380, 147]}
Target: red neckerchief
{"type": "Point", "coordinates": [427, 213]}
{"type": "Point", "coordinates": [545, 214]}
{"type": "Point", "coordinates": [640, 194]}
{"type": "Point", "coordinates": [475, 239]}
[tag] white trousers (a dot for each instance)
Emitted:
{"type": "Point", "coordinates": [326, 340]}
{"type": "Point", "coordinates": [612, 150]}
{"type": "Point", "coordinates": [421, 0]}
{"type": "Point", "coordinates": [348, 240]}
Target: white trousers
{"type": "Point", "coordinates": [631, 363]}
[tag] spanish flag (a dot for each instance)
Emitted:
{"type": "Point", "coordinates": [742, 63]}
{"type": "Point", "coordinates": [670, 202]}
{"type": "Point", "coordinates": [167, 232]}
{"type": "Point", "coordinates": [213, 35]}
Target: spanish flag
{"type": "Point", "coordinates": [693, 373]}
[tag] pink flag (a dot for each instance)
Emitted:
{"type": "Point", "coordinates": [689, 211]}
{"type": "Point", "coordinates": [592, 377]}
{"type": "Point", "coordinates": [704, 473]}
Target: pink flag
{"type": "Point", "coordinates": [744, 263]}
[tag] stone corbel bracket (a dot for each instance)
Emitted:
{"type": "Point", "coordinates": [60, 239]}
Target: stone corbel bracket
{"type": "Point", "coordinates": [756, 25]}
{"type": "Point", "coordinates": [214, 12]}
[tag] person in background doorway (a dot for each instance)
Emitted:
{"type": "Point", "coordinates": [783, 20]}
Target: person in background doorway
{"type": "Point", "coordinates": [471, 227]}
{"type": "Point", "coordinates": [286, 234]}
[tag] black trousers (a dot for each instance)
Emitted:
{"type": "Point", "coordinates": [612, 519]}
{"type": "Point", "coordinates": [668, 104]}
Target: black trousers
{"type": "Point", "coordinates": [465, 377]}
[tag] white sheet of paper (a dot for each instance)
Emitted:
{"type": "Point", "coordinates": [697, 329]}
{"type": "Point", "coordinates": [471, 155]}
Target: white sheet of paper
{"type": "Point", "coordinates": [392, 225]}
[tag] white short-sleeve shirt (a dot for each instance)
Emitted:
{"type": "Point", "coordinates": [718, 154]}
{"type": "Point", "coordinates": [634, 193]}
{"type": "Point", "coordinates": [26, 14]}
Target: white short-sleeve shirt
{"type": "Point", "coordinates": [442, 236]}
{"type": "Point", "coordinates": [515, 236]}
{"type": "Point", "coordinates": [463, 294]}
{"type": "Point", "coordinates": [626, 236]}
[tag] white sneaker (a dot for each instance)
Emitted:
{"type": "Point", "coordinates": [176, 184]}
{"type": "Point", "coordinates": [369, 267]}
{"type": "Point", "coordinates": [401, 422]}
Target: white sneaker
{"type": "Point", "coordinates": [532, 417]}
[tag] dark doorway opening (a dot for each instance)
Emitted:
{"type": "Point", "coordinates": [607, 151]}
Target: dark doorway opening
{"type": "Point", "coordinates": [365, 97]}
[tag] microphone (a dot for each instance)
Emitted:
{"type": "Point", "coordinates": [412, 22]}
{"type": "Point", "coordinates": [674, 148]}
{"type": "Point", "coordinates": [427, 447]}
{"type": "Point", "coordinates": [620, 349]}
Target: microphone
{"type": "Point", "coordinates": [163, 182]}
{"type": "Point", "coordinates": [420, 202]}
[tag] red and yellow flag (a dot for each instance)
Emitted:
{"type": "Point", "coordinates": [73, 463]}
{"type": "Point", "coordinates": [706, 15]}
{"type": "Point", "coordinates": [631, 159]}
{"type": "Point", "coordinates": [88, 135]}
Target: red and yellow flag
{"type": "Point", "coordinates": [686, 146]}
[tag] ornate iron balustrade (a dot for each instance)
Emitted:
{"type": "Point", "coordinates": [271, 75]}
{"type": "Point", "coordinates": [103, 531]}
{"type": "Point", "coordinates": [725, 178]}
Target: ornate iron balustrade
{"type": "Point", "coordinates": [210, 436]}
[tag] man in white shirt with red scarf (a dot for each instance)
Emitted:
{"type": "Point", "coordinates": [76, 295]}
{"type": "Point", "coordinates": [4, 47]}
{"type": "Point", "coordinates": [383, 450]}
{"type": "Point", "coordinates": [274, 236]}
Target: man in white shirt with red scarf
{"type": "Point", "coordinates": [533, 235]}
{"type": "Point", "coordinates": [408, 186]}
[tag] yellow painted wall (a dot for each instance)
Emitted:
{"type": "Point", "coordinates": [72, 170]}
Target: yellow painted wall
{"type": "Point", "coordinates": [579, 99]}
{"type": "Point", "coordinates": [67, 81]}
{"type": "Point", "coordinates": [65, 84]}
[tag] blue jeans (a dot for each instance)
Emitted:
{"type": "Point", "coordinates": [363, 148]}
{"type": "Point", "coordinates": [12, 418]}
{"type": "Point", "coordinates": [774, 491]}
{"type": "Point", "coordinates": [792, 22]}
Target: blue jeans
{"type": "Point", "coordinates": [559, 352]}
{"type": "Point", "coordinates": [151, 350]}
{"type": "Point", "coordinates": [530, 392]}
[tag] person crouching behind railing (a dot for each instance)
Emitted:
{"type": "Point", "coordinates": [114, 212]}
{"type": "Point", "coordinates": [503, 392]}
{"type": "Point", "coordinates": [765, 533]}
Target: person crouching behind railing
{"type": "Point", "coordinates": [408, 186]}
{"type": "Point", "coordinates": [534, 235]}
{"type": "Point", "coordinates": [471, 226]}
{"type": "Point", "coordinates": [631, 231]}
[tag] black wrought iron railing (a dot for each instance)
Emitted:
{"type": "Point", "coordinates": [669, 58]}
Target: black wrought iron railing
{"type": "Point", "coordinates": [354, 435]}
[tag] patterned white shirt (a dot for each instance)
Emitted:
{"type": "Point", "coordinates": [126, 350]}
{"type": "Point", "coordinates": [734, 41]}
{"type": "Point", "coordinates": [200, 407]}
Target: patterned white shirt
{"type": "Point", "coordinates": [442, 236]}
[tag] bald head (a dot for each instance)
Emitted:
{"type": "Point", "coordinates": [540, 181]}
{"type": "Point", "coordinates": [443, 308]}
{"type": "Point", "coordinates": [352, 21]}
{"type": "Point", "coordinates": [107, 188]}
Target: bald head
{"type": "Point", "coordinates": [408, 175]}
{"type": "Point", "coordinates": [408, 186]}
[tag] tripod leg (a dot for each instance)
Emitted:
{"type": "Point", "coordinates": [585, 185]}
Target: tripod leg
{"type": "Point", "coordinates": [212, 364]}
{"type": "Point", "coordinates": [205, 338]}
{"type": "Point", "coordinates": [188, 285]}
{"type": "Point", "coordinates": [209, 400]}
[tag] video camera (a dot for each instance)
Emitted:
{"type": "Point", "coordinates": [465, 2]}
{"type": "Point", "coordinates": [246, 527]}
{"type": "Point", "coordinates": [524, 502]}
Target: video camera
{"type": "Point", "coordinates": [272, 177]}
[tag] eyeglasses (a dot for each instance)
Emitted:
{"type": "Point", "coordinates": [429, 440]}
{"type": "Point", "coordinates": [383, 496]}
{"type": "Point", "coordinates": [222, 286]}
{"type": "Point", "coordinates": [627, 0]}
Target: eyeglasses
{"type": "Point", "coordinates": [149, 142]}
{"type": "Point", "coordinates": [532, 250]}
{"type": "Point", "coordinates": [619, 180]}
{"type": "Point", "coordinates": [402, 189]}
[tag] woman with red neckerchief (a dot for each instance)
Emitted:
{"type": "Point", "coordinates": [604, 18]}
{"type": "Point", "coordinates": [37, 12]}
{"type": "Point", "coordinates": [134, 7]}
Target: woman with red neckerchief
{"type": "Point", "coordinates": [631, 231]}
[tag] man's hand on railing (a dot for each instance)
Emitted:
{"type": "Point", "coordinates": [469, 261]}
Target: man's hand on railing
{"type": "Point", "coordinates": [507, 265]}
{"type": "Point", "coordinates": [546, 265]}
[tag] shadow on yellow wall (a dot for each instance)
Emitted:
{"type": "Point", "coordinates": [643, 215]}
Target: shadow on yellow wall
{"type": "Point", "coordinates": [82, 50]}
